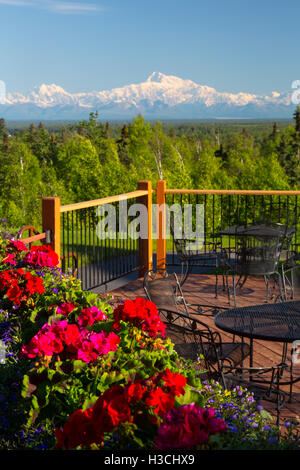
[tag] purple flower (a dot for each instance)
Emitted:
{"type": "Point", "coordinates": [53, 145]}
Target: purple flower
{"type": "Point", "coordinates": [272, 440]}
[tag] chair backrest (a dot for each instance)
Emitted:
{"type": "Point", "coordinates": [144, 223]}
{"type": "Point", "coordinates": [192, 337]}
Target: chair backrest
{"type": "Point", "coordinates": [284, 213]}
{"type": "Point", "coordinates": [258, 254]}
{"type": "Point", "coordinates": [163, 289]}
{"type": "Point", "coordinates": [284, 216]}
{"type": "Point", "coordinates": [180, 243]}
{"type": "Point", "coordinates": [194, 341]}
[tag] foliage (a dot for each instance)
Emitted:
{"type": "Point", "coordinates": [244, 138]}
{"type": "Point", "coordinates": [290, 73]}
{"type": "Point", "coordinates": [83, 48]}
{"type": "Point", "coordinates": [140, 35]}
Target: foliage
{"type": "Point", "coordinates": [80, 373]}
{"type": "Point", "coordinates": [89, 160]}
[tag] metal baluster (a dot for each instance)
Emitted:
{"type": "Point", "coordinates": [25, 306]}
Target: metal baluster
{"type": "Point", "coordinates": [85, 249]}
{"type": "Point", "coordinates": [205, 221]}
{"type": "Point", "coordinates": [76, 213]}
{"type": "Point", "coordinates": [63, 234]}
{"type": "Point", "coordinates": [72, 252]}
{"type": "Point", "coordinates": [81, 247]}
{"type": "Point", "coordinates": [68, 242]}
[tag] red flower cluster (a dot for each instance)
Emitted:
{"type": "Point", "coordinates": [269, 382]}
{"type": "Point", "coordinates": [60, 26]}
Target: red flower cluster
{"type": "Point", "coordinates": [141, 313]}
{"type": "Point", "coordinates": [13, 251]}
{"type": "Point", "coordinates": [78, 430]}
{"type": "Point", "coordinates": [17, 245]}
{"type": "Point", "coordinates": [120, 404]}
{"type": "Point", "coordinates": [70, 341]}
{"type": "Point", "coordinates": [65, 308]}
{"type": "Point", "coordinates": [187, 427]}
{"type": "Point", "coordinates": [41, 256]}
{"type": "Point", "coordinates": [89, 315]}
{"type": "Point", "coordinates": [20, 285]}
{"type": "Point", "coordinates": [10, 258]}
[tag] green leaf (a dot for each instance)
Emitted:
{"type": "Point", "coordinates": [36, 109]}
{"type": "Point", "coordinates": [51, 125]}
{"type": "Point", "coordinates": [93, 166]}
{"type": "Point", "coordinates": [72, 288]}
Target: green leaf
{"type": "Point", "coordinates": [111, 378]}
{"type": "Point", "coordinates": [190, 396]}
{"type": "Point", "coordinates": [106, 326]}
{"type": "Point", "coordinates": [25, 387]}
{"type": "Point", "coordinates": [78, 364]}
{"type": "Point", "coordinates": [266, 415]}
{"type": "Point", "coordinates": [89, 402]}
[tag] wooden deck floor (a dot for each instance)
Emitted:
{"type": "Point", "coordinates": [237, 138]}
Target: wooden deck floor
{"type": "Point", "coordinates": [200, 288]}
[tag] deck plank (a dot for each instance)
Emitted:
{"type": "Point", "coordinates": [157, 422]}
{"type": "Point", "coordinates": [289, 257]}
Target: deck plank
{"type": "Point", "coordinates": [200, 289]}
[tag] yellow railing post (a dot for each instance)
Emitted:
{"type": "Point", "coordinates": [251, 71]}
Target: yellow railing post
{"type": "Point", "coordinates": [161, 247]}
{"type": "Point", "coordinates": [145, 244]}
{"type": "Point", "coordinates": [51, 220]}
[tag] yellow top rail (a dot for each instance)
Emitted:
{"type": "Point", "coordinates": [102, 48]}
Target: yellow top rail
{"type": "Point", "coordinates": [241, 192]}
{"type": "Point", "coordinates": [104, 200]}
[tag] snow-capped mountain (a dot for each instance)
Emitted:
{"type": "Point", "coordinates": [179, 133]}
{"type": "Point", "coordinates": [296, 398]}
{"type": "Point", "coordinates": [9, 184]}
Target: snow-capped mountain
{"type": "Point", "coordinates": [159, 97]}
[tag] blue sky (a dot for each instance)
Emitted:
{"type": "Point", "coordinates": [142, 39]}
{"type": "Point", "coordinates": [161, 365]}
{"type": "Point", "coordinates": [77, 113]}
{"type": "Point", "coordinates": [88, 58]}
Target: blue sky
{"type": "Point", "coordinates": [233, 45]}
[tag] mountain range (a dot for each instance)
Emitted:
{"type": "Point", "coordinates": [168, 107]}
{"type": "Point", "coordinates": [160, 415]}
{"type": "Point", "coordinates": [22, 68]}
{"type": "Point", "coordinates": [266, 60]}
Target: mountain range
{"type": "Point", "coordinates": [159, 97]}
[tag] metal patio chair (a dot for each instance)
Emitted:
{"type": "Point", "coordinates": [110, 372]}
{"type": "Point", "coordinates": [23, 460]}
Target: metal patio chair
{"type": "Point", "coordinates": [164, 289]}
{"type": "Point", "coordinates": [207, 257]}
{"type": "Point", "coordinates": [194, 340]}
{"type": "Point", "coordinates": [263, 382]}
{"type": "Point", "coordinates": [283, 215]}
{"type": "Point", "coordinates": [258, 255]}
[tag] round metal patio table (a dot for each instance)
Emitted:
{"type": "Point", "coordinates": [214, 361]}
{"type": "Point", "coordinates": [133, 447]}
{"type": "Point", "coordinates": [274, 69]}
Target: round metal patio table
{"type": "Point", "coordinates": [258, 230]}
{"type": "Point", "coordinates": [278, 322]}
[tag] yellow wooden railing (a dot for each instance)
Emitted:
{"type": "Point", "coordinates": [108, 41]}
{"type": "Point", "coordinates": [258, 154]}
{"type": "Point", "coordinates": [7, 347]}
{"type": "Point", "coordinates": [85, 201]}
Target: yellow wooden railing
{"type": "Point", "coordinates": [52, 210]}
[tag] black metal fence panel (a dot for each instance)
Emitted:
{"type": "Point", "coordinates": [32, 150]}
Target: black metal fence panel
{"type": "Point", "coordinates": [95, 252]}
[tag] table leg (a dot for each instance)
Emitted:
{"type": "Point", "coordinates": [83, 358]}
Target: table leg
{"type": "Point", "coordinates": [251, 357]}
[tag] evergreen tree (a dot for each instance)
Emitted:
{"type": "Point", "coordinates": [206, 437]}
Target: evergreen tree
{"type": "Point", "coordinates": [221, 153]}
{"type": "Point", "coordinates": [31, 135]}
{"type": "Point", "coordinates": [297, 119]}
{"type": "Point", "coordinates": [274, 131]}
{"type": "Point", "coordinates": [107, 130]}
{"type": "Point", "coordinates": [122, 143]}
{"type": "Point", "coordinates": [5, 145]}
{"type": "Point", "coordinates": [3, 129]}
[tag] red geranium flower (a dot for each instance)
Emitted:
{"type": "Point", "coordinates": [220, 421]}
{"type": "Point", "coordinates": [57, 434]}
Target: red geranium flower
{"type": "Point", "coordinates": [17, 245]}
{"type": "Point", "coordinates": [65, 309]}
{"type": "Point", "coordinates": [141, 313]}
{"type": "Point", "coordinates": [79, 430]}
{"type": "Point", "coordinates": [175, 382]}
{"type": "Point", "coordinates": [41, 256]}
{"type": "Point", "coordinates": [161, 401]}
{"type": "Point", "coordinates": [10, 259]}
{"type": "Point", "coordinates": [90, 315]}
{"type": "Point", "coordinates": [135, 392]}
{"type": "Point", "coordinates": [187, 427]}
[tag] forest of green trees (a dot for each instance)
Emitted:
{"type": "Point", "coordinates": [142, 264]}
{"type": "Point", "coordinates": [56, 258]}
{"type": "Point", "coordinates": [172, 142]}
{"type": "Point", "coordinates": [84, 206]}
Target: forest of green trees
{"type": "Point", "coordinates": [90, 159]}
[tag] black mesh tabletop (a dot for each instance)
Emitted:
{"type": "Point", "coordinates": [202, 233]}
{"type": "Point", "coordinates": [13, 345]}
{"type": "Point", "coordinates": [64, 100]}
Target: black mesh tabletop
{"type": "Point", "coordinates": [272, 322]}
{"type": "Point", "coordinates": [259, 230]}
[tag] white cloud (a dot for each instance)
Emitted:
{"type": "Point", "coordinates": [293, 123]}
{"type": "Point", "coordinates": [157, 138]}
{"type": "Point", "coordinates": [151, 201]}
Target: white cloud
{"type": "Point", "coordinates": [71, 7]}
{"type": "Point", "coordinates": [64, 7]}
{"type": "Point", "coordinates": [17, 3]}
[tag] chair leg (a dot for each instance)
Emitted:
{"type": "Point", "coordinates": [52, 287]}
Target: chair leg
{"type": "Point", "coordinates": [291, 377]}
{"type": "Point", "coordinates": [284, 283]}
{"type": "Point", "coordinates": [281, 295]}
{"type": "Point", "coordinates": [228, 289]}
{"type": "Point", "coordinates": [267, 288]}
{"type": "Point", "coordinates": [184, 275]}
{"type": "Point", "coordinates": [216, 291]}
{"type": "Point", "coordinates": [234, 291]}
